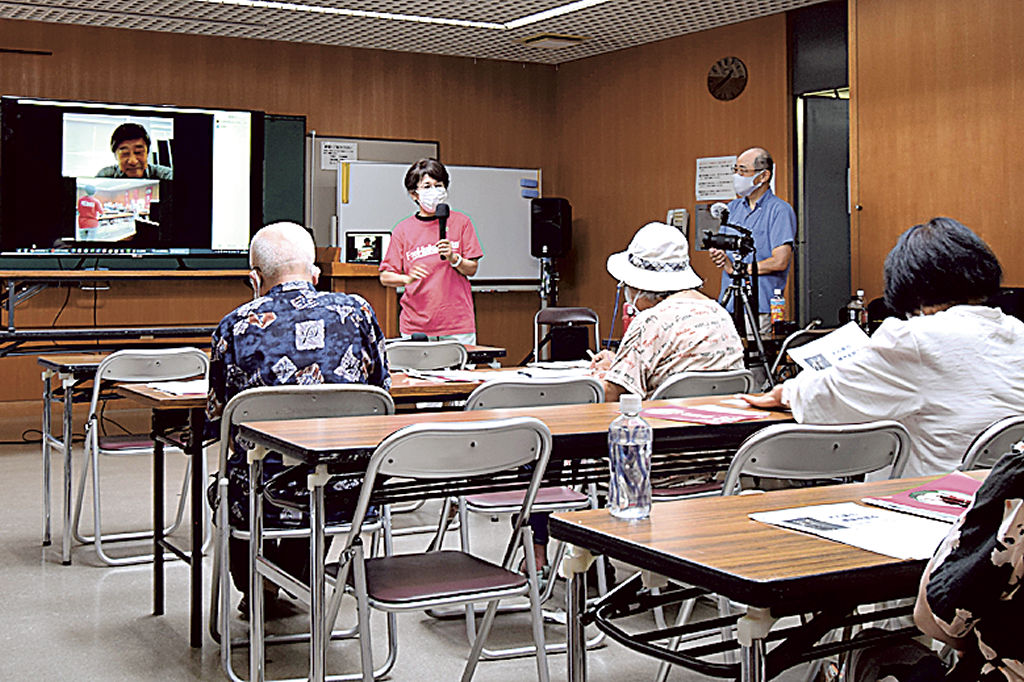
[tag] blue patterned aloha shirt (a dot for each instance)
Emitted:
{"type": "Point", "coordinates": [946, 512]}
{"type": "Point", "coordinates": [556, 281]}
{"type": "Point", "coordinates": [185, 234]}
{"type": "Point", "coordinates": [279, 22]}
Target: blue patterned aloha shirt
{"type": "Point", "coordinates": [292, 335]}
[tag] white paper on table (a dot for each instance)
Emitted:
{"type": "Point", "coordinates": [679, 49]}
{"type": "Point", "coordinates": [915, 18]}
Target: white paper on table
{"type": "Point", "coordinates": [830, 349]}
{"type": "Point", "coordinates": [532, 372]}
{"type": "Point", "coordinates": [882, 531]}
{"type": "Point", "coordinates": [468, 375]}
{"type": "Point", "coordinates": [560, 364]}
{"type": "Point", "coordinates": [191, 387]}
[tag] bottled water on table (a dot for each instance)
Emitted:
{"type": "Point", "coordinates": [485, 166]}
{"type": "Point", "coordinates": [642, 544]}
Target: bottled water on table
{"type": "Point", "coordinates": [629, 461]}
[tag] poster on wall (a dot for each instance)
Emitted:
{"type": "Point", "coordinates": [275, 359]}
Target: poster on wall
{"type": "Point", "coordinates": [714, 178]}
{"type": "Point", "coordinates": [333, 153]}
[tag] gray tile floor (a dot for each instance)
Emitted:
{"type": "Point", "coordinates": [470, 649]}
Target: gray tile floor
{"type": "Point", "coordinates": [88, 621]}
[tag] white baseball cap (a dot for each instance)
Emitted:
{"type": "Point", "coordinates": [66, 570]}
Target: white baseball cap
{"type": "Point", "coordinates": [657, 259]}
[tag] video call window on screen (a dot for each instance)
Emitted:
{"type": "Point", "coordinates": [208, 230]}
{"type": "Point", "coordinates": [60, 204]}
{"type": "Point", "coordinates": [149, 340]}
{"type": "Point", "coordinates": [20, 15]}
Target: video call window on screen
{"type": "Point", "coordinates": [143, 177]}
{"type": "Point", "coordinates": [106, 146]}
{"type": "Point", "coordinates": [115, 209]}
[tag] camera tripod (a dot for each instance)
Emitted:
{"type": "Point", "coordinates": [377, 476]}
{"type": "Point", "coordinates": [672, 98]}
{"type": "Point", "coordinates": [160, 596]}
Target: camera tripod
{"type": "Point", "coordinates": [739, 292]}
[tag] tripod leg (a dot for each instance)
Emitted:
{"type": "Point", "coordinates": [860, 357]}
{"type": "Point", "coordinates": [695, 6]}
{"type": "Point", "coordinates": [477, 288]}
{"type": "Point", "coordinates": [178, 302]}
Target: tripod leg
{"type": "Point", "coordinates": [756, 333]}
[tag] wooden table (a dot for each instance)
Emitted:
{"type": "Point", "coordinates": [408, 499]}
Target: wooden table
{"type": "Point", "coordinates": [711, 543]}
{"type": "Point", "coordinates": [167, 409]}
{"type": "Point", "coordinates": [342, 445]}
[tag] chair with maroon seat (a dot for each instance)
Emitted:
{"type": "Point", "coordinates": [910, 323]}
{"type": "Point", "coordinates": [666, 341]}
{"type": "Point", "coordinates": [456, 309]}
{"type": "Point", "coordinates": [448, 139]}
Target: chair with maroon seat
{"type": "Point", "coordinates": [436, 457]}
{"type": "Point", "coordinates": [130, 366]}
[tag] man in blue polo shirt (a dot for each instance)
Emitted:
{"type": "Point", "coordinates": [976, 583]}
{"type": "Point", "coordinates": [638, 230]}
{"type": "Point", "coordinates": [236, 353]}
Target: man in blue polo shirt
{"type": "Point", "coordinates": [772, 222]}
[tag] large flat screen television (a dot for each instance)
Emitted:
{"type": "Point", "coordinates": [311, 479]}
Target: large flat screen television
{"type": "Point", "coordinates": [94, 177]}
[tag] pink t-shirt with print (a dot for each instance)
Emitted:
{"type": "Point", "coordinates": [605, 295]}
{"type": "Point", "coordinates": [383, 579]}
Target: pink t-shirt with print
{"type": "Point", "coordinates": [440, 303]}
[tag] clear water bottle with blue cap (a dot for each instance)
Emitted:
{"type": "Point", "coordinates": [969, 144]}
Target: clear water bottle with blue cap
{"type": "Point", "coordinates": [629, 460]}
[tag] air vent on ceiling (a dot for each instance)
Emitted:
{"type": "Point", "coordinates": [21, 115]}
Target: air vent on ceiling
{"type": "Point", "coordinates": [552, 41]}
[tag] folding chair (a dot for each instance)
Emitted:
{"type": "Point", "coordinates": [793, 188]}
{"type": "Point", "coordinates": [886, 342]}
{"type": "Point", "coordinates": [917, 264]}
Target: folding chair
{"type": "Point", "coordinates": [992, 443]}
{"type": "Point", "coordinates": [279, 403]}
{"type": "Point", "coordinates": [530, 393]}
{"type": "Point", "coordinates": [807, 452]}
{"type": "Point", "coordinates": [720, 382]}
{"type": "Point", "coordinates": [438, 458]}
{"type": "Point", "coordinates": [129, 366]}
{"type": "Point", "coordinates": [564, 322]}
{"type": "Point", "coordinates": [426, 355]}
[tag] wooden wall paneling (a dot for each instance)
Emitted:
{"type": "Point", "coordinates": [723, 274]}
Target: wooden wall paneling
{"type": "Point", "coordinates": [631, 125]}
{"type": "Point", "coordinates": [936, 101]}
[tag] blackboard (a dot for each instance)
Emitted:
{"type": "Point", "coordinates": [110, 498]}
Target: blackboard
{"type": "Point", "coordinates": [374, 199]}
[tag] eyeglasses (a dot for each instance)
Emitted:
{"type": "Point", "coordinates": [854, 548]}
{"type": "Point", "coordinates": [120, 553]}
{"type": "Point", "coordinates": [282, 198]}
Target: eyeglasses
{"type": "Point", "coordinates": [421, 186]}
{"type": "Point", "coordinates": [743, 170]}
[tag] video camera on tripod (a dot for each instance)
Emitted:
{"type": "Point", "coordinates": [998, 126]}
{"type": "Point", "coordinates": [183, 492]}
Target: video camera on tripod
{"type": "Point", "coordinates": [743, 243]}
{"type": "Point", "coordinates": [742, 290]}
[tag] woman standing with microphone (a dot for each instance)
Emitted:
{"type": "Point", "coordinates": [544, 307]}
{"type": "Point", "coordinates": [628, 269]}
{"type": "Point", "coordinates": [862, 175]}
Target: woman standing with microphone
{"type": "Point", "coordinates": [432, 262]}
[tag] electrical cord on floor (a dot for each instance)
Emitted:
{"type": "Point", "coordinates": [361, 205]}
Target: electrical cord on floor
{"type": "Point", "coordinates": [27, 440]}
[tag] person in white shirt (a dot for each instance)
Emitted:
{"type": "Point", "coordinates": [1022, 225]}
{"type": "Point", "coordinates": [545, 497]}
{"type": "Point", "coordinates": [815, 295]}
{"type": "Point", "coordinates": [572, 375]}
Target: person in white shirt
{"type": "Point", "coordinates": [947, 371]}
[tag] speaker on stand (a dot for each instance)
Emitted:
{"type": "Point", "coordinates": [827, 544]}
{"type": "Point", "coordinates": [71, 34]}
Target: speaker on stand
{"type": "Point", "coordinates": [550, 237]}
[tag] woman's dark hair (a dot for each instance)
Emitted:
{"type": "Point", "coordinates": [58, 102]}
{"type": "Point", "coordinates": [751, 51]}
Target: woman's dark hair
{"type": "Point", "coordinates": [128, 131]}
{"type": "Point", "coordinates": [431, 167]}
{"type": "Point", "coordinates": [939, 263]}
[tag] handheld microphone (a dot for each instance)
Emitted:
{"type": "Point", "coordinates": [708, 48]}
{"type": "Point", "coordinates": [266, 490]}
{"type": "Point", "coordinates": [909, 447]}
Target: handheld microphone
{"type": "Point", "coordinates": [442, 212]}
{"type": "Point", "coordinates": [720, 211]}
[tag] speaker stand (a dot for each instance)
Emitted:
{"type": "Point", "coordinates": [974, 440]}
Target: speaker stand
{"type": "Point", "coordinates": [548, 283]}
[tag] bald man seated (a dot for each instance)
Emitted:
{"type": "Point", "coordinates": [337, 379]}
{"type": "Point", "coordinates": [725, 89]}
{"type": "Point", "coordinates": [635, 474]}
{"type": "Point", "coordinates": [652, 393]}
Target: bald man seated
{"type": "Point", "coordinates": [290, 333]}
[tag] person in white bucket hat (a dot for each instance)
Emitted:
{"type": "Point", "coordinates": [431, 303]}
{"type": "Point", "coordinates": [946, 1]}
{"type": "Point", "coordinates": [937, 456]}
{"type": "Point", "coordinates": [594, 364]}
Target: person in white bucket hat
{"type": "Point", "coordinates": [676, 328]}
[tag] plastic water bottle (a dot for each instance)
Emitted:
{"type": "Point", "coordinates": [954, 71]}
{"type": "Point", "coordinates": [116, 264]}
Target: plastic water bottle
{"type": "Point", "coordinates": [629, 460]}
{"type": "Point", "coordinates": [777, 306]}
{"type": "Point", "coordinates": [857, 310]}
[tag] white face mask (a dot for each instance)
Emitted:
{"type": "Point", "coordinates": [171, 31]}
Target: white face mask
{"type": "Point", "coordinates": [744, 185]}
{"type": "Point", "coordinates": [430, 197]}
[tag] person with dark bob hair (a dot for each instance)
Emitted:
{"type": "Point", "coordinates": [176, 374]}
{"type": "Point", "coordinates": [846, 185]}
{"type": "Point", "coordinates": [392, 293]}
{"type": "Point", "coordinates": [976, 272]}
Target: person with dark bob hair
{"type": "Point", "coordinates": [947, 371]}
{"type": "Point", "coordinates": [434, 268]}
{"type": "Point", "coordinates": [130, 144]}
{"type": "Point", "coordinates": [939, 263]}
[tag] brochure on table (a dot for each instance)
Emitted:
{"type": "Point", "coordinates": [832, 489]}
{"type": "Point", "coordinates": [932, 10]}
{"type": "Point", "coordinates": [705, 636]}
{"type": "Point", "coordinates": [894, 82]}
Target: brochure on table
{"type": "Point", "coordinates": [892, 533]}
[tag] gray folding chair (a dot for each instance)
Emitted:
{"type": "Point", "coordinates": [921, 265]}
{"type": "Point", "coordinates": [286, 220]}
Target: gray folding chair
{"type": "Point", "coordinates": [280, 403]}
{"type": "Point", "coordinates": [807, 452]}
{"type": "Point", "coordinates": [440, 456]}
{"type": "Point", "coordinates": [690, 384]}
{"type": "Point", "coordinates": [992, 443]}
{"type": "Point", "coordinates": [553, 317]}
{"type": "Point", "coordinates": [426, 355]}
{"type": "Point", "coordinates": [530, 393]}
{"type": "Point", "coordinates": [815, 452]}
{"type": "Point", "coordinates": [129, 366]}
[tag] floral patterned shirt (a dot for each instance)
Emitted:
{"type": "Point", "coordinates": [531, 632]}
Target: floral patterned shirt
{"type": "Point", "coordinates": [292, 335]}
{"type": "Point", "coordinates": [676, 335]}
{"type": "Point", "coordinates": [974, 589]}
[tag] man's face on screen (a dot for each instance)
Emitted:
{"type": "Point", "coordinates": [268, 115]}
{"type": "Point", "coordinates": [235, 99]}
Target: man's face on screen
{"type": "Point", "coordinates": [131, 157]}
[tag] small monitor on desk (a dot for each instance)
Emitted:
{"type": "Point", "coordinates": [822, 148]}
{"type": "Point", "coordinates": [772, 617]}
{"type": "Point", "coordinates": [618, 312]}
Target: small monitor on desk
{"type": "Point", "coordinates": [366, 247]}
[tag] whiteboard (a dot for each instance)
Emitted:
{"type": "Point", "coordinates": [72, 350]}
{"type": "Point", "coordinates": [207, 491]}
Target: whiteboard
{"type": "Point", "coordinates": [376, 201]}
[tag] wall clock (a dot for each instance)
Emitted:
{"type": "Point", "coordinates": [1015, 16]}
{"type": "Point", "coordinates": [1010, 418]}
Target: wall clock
{"type": "Point", "coordinates": [727, 78]}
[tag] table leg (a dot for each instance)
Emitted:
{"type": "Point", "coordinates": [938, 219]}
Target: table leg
{"type": "Point", "coordinates": [256, 657]}
{"type": "Point", "coordinates": [574, 567]}
{"type": "Point", "coordinates": [158, 523]}
{"type": "Point", "coordinates": [751, 631]}
{"type": "Point", "coordinates": [68, 383]}
{"type": "Point", "coordinates": [47, 425]}
{"type": "Point", "coordinates": [196, 424]}
{"type": "Point", "coordinates": [317, 634]}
